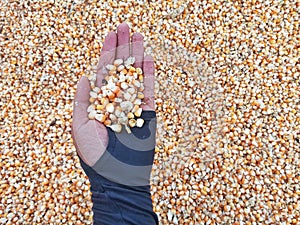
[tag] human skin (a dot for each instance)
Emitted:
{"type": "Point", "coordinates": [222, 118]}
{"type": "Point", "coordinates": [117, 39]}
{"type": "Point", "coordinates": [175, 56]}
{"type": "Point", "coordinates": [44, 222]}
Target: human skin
{"type": "Point", "coordinates": [90, 136]}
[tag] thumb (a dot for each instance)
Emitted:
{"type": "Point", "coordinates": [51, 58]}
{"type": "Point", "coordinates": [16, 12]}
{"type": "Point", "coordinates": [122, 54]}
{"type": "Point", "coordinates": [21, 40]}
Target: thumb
{"type": "Point", "coordinates": [81, 103]}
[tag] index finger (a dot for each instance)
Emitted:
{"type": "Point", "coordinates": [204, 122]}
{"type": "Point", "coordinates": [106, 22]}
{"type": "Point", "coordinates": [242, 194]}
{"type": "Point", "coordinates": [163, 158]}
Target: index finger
{"type": "Point", "coordinates": [108, 54]}
{"type": "Point", "coordinates": [137, 49]}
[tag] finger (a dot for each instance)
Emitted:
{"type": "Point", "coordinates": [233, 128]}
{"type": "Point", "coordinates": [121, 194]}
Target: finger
{"type": "Point", "coordinates": [137, 48]}
{"type": "Point", "coordinates": [148, 68]}
{"type": "Point", "coordinates": [108, 53]}
{"type": "Point", "coordinates": [81, 103]}
{"type": "Point", "coordinates": [123, 47]}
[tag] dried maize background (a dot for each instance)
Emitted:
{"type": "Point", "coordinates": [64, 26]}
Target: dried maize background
{"type": "Point", "coordinates": [227, 100]}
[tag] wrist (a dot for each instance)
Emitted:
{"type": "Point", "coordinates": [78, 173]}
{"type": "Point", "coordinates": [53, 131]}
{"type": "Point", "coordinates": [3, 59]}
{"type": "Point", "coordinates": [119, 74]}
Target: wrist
{"type": "Point", "coordinates": [115, 203]}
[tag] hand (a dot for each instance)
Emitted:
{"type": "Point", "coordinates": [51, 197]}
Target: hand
{"type": "Point", "coordinates": [91, 137]}
{"type": "Point", "coordinates": [118, 165]}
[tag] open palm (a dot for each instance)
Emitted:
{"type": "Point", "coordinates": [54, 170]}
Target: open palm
{"type": "Point", "coordinates": [90, 136]}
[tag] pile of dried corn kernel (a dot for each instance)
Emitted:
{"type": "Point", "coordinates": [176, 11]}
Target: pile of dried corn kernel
{"type": "Point", "coordinates": [227, 96]}
{"type": "Point", "coordinates": [118, 102]}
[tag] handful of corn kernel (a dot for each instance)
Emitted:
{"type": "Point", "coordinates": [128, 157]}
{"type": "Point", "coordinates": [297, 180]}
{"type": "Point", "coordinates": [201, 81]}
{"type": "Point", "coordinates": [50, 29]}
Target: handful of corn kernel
{"type": "Point", "coordinates": [118, 102]}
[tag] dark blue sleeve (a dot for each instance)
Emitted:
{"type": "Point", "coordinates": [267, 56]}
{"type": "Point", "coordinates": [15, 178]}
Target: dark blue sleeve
{"type": "Point", "coordinates": [120, 178]}
{"type": "Point", "coordinates": [117, 204]}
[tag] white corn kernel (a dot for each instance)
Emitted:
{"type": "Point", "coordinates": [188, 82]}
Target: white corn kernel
{"type": "Point", "coordinates": [90, 108]}
{"type": "Point", "coordinates": [110, 67]}
{"type": "Point", "coordinates": [126, 106]}
{"type": "Point", "coordinates": [129, 61]}
{"type": "Point", "coordinates": [120, 68]}
{"type": "Point", "coordinates": [136, 83]}
{"type": "Point", "coordinates": [118, 62]}
{"type": "Point", "coordinates": [96, 89]}
{"type": "Point", "coordinates": [138, 113]}
{"type": "Point", "coordinates": [132, 98]}
{"type": "Point", "coordinates": [113, 118]}
{"type": "Point", "coordinates": [116, 127]}
{"type": "Point", "coordinates": [100, 117]}
{"type": "Point", "coordinates": [127, 96]}
{"type": "Point", "coordinates": [131, 90]}
{"type": "Point", "coordinates": [118, 111]}
{"type": "Point", "coordinates": [137, 101]}
{"type": "Point", "coordinates": [110, 107]}
{"type": "Point", "coordinates": [124, 85]}
{"type": "Point", "coordinates": [127, 129]}
{"type": "Point", "coordinates": [104, 101]}
{"type": "Point", "coordinates": [93, 94]}
{"type": "Point", "coordinates": [123, 120]}
{"type": "Point", "coordinates": [92, 115]}
{"type": "Point", "coordinates": [135, 108]}
{"type": "Point", "coordinates": [118, 100]}
{"type": "Point", "coordinates": [139, 122]}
